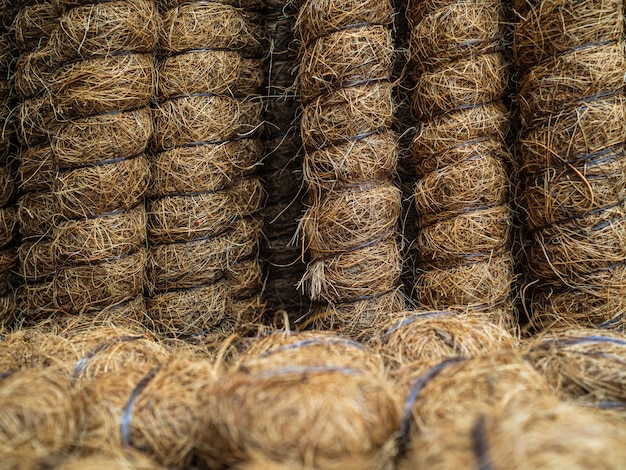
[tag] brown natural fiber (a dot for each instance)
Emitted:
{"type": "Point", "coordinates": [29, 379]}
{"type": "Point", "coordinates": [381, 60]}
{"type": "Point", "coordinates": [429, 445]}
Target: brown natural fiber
{"type": "Point", "coordinates": [126, 459]}
{"type": "Point", "coordinates": [33, 24]}
{"type": "Point", "coordinates": [164, 421]}
{"type": "Point", "coordinates": [560, 25]}
{"type": "Point", "coordinates": [95, 86]}
{"type": "Point", "coordinates": [570, 78]}
{"type": "Point", "coordinates": [442, 31]}
{"type": "Point", "coordinates": [479, 286]}
{"type": "Point", "coordinates": [463, 83]}
{"type": "Point", "coordinates": [92, 191]}
{"type": "Point", "coordinates": [460, 391]}
{"type": "Point", "coordinates": [324, 414]}
{"type": "Point", "coordinates": [35, 120]}
{"type": "Point", "coordinates": [206, 168]}
{"type": "Point", "coordinates": [37, 213]}
{"type": "Point", "coordinates": [307, 349]}
{"type": "Point", "coordinates": [544, 434]}
{"type": "Point", "coordinates": [597, 300]}
{"type": "Point", "coordinates": [424, 339]}
{"type": "Point", "coordinates": [585, 365]}
{"type": "Point", "coordinates": [357, 319]}
{"type": "Point", "coordinates": [113, 27]}
{"type": "Point", "coordinates": [92, 287]}
{"type": "Point", "coordinates": [36, 168]}
{"type": "Point", "coordinates": [39, 416]}
{"type": "Point", "coordinates": [37, 259]}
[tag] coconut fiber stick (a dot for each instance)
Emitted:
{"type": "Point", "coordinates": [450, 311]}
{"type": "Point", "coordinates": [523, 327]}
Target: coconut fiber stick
{"type": "Point", "coordinates": [571, 61]}
{"type": "Point", "coordinates": [204, 201]}
{"type": "Point", "coordinates": [350, 227]}
{"type": "Point", "coordinates": [463, 166]}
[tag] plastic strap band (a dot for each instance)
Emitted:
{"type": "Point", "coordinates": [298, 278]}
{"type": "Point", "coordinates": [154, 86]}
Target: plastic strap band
{"type": "Point", "coordinates": [382, 237]}
{"type": "Point", "coordinates": [196, 50]}
{"type": "Point", "coordinates": [108, 55]}
{"type": "Point", "coordinates": [600, 225]}
{"type": "Point", "coordinates": [330, 32]}
{"type": "Point", "coordinates": [127, 413]}
{"type": "Point", "coordinates": [480, 445]}
{"type": "Point", "coordinates": [463, 107]}
{"type": "Point", "coordinates": [346, 85]}
{"type": "Point", "coordinates": [100, 262]}
{"type": "Point", "coordinates": [354, 138]}
{"type": "Point", "coordinates": [97, 164]}
{"type": "Point", "coordinates": [307, 370]}
{"type": "Point", "coordinates": [416, 388]}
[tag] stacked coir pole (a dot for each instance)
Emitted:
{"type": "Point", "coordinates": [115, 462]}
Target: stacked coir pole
{"type": "Point", "coordinates": [350, 228]}
{"type": "Point", "coordinates": [101, 90]}
{"type": "Point", "coordinates": [204, 221]}
{"type": "Point", "coordinates": [282, 167]}
{"type": "Point", "coordinates": [31, 28]}
{"type": "Point", "coordinates": [462, 162]}
{"type": "Point", "coordinates": [8, 216]}
{"type": "Point", "coordinates": [570, 55]}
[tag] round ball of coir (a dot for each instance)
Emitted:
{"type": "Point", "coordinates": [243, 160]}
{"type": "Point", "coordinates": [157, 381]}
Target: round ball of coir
{"type": "Point", "coordinates": [582, 364]}
{"type": "Point", "coordinates": [323, 414]}
{"type": "Point", "coordinates": [424, 339]}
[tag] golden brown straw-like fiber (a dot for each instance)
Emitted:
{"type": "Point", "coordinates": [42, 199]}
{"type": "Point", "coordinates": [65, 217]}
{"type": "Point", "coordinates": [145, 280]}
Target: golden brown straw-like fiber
{"type": "Point", "coordinates": [37, 259]}
{"type": "Point", "coordinates": [204, 201]}
{"type": "Point", "coordinates": [122, 26]}
{"type": "Point", "coordinates": [461, 389]}
{"type": "Point", "coordinates": [597, 300]}
{"type": "Point", "coordinates": [324, 414]}
{"type": "Point", "coordinates": [35, 118]}
{"type": "Point", "coordinates": [446, 30]}
{"type": "Point", "coordinates": [570, 78]}
{"type": "Point", "coordinates": [307, 349]}
{"type": "Point", "coordinates": [39, 416]}
{"type": "Point", "coordinates": [350, 226]}
{"type": "Point", "coordinates": [33, 24]}
{"type": "Point", "coordinates": [424, 339]}
{"type": "Point", "coordinates": [556, 26]}
{"type": "Point", "coordinates": [585, 365]}
{"type": "Point", "coordinates": [572, 149]}
{"type": "Point", "coordinates": [110, 459]}
{"type": "Point", "coordinates": [544, 434]}
{"type": "Point", "coordinates": [461, 160]}
{"type": "Point", "coordinates": [356, 319]}
{"type": "Point", "coordinates": [92, 287]}
{"type": "Point", "coordinates": [164, 422]}
{"type": "Point", "coordinates": [36, 213]}
{"type": "Point", "coordinates": [36, 168]}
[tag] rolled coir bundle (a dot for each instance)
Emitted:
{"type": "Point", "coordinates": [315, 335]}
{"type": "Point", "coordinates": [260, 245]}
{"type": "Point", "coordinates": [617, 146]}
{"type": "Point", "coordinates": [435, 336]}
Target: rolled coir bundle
{"type": "Point", "coordinates": [584, 365]}
{"type": "Point", "coordinates": [32, 27]}
{"type": "Point", "coordinates": [572, 104]}
{"type": "Point", "coordinates": [428, 338]}
{"type": "Point", "coordinates": [353, 206]}
{"type": "Point", "coordinates": [462, 162]}
{"type": "Point", "coordinates": [124, 459]}
{"type": "Point", "coordinates": [544, 434]}
{"type": "Point", "coordinates": [282, 167]}
{"type": "Point", "coordinates": [101, 89]}
{"type": "Point", "coordinates": [204, 199]}
{"type": "Point", "coordinates": [39, 416]}
{"type": "Point", "coordinates": [325, 414]}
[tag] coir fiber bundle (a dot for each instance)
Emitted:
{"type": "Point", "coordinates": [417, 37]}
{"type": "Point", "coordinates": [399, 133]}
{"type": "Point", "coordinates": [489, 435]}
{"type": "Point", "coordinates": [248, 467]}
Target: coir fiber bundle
{"type": "Point", "coordinates": [282, 167]}
{"type": "Point", "coordinates": [35, 114]}
{"type": "Point", "coordinates": [350, 227]}
{"type": "Point", "coordinates": [101, 90]}
{"type": "Point", "coordinates": [204, 201]}
{"type": "Point", "coordinates": [461, 159]}
{"type": "Point", "coordinates": [324, 414]}
{"type": "Point", "coordinates": [125, 459]}
{"type": "Point", "coordinates": [572, 148]}
{"type": "Point", "coordinates": [457, 391]}
{"type": "Point", "coordinates": [307, 349]}
{"type": "Point", "coordinates": [429, 338]}
{"type": "Point", "coordinates": [586, 365]}
{"type": "Point", "coordinates": [161, 416]}
{"type": "Point", "coordinates": [38, 416]}
{"type": "Point", "coordinates": [545, 434]}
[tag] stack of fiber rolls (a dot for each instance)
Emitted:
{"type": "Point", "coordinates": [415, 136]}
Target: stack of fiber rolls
{"type": "Point", "coordinates": [31, 29]}
{"type": "Point", "coordinates": [571, 94]}
{"type": "Point", "coordinates": [350, 227]}
{"type": "Point", "coordinates": [462, 162]}
{"type": "Point", "coordinates": [8, 219]}
{"type": "Point", "coordinates": [282, 166]}
{"type": "Point", "coordinates": [204, 220]}
{"type": "Point", "coordinates": [101, 90]}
